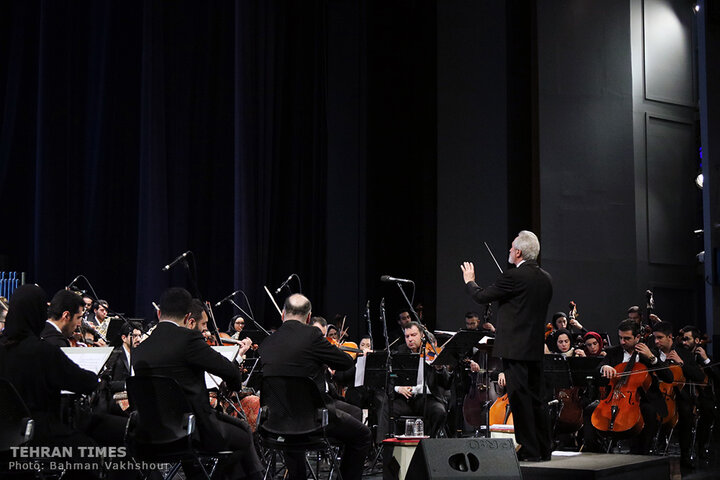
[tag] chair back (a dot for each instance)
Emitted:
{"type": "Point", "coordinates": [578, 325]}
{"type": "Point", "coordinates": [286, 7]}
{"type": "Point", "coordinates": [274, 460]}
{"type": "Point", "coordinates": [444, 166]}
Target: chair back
{"type": "Point", "coordinates": [291, 406]}
{"type": "Point", "coordinates": [162, 412]}
{"type": "Point", "coordinates": [16, 426]}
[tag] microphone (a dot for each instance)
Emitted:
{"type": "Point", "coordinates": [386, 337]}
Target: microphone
{"type": "Point", "coordinates": [227, 298]}
{"type": "Point", "coordinates": [552, 403]}
{"type": "Point", "coordinates": [388, 278]}
{"type": "Point", "coordinates": [284, 283]}
{"type": "Point", "coordinates": [73, 282]}
{"type": "Point", "coordinates": [176, 261]}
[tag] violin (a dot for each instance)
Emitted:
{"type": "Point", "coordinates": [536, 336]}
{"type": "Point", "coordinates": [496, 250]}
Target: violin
{"type": "Point", "coordinates": [430, 354]}
{"type": "Point", "coordinates": [619, 413]}
{"type": "Point", "coordinates": [351, 348]}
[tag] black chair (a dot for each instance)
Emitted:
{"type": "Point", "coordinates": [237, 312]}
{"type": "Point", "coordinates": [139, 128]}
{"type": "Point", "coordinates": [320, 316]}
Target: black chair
{"type": "Point", "coordinates": [293, 419]}
{"type": "Point", "coordinates": [16, 426]}
{"type": "Point", "coordinates": [160, 430]}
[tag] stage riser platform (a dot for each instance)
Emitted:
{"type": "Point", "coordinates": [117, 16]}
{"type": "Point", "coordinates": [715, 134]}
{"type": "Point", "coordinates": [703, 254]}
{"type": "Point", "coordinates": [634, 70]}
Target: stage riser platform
{"type": "Point", "coordinates": [596, 466]}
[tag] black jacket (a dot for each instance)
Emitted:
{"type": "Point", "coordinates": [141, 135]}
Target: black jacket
{"type": "Point", "coordinates": [436, 381]}
{"type": "Point", "coordinates": [299, 350]}
{"type": "Point", "coordinates": [180, 353]}
{"type": "Point", "coordinates": [51, 335]}
{"type": "Point", "coordinates": [523, 295]}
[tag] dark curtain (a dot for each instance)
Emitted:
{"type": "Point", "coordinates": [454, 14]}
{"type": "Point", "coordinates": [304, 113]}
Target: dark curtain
{"type": "Point", "coordinates": [133, 131]}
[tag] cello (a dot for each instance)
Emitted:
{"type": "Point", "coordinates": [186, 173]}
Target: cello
{"type": "Point", "coordinates": [619, 413]}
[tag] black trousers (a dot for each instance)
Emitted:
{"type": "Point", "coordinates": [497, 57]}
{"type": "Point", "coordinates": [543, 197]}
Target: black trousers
{"type": "Point", "coordinates": [243, 463]}
{"type": "Point", "coordinates": [525, 384]}
{"type": "Point", "coordinates": [353, 434]}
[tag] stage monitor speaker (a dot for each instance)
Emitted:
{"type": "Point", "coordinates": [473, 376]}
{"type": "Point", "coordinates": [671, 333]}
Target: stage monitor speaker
{"type": "Point", "coordinates": [464, 458]}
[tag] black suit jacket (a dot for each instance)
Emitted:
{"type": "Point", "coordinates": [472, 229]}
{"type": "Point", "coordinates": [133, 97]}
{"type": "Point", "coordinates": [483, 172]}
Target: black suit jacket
{"type": "Point", "coordinates": [180, 353]}
{"type": "Point", "coordinates": [523, 295]}
{"type": "Point", "coordinates": [39, 371]}
{"type": "Point", "coordinates": [299, 350]}
{"type": "Point", "coordinates": [437, 382]}
{"type": "Point", "coordinates": [51, 335]}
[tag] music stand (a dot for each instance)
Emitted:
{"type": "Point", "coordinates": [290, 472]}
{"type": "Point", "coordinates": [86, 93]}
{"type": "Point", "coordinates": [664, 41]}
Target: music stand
{"type": "Point", "coordinates": [404, 369]}
{"type": "Point", "coordinates": [458, 346]}
{"type": "Point", "coordinates": [557, 371]}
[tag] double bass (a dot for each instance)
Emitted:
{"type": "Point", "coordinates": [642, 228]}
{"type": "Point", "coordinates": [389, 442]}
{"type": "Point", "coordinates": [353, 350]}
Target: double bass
{"type": "Point", "coordinates": [619, 413]}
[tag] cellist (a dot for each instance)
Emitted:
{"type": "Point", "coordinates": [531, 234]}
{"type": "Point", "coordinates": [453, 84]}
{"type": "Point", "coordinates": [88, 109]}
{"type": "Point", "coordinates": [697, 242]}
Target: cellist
{"type": "Point", "coordinates": [692, 341]}
{"type": "Point", "coordinates": [652, 404]}
{"type": "Point", "coordinates": [663, 333]}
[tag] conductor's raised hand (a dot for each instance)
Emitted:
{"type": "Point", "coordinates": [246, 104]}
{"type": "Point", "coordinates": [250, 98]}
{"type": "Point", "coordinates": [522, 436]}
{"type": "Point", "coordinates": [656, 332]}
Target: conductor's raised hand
{"type": "Point", "coordinates": [468, 270]}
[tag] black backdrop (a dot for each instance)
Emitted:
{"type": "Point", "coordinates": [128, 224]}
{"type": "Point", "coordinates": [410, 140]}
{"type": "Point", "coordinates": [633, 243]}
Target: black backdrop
{"type": "Point", "coordinates": [133, 131]}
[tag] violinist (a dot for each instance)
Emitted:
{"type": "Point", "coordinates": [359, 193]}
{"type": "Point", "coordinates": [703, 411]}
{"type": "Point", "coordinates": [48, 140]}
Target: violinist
{"type": "Point", "coordinates": [691, 340]}
{"type": "Point", "coordinates": [39, 370]}
{"type": "Point", "coordinates": [335, 380]}
{"type": "Point", "coordinates": [652, 404]}
{"type": "Point", "coordinates": [692, 373]}
{"type": "Point", "coordinates": [409, 399]}
{"type": "Point", "coordinates": [297, 349]}
{"type": "Point", "coordinates": [177, 351]}
{"type": "Point", "coordinates": [237, 324]}
{"type": "Point", "coordinates": [65, 315]}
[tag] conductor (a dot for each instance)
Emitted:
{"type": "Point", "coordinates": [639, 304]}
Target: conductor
{"type": "Point", "coordinates": [523, 294]}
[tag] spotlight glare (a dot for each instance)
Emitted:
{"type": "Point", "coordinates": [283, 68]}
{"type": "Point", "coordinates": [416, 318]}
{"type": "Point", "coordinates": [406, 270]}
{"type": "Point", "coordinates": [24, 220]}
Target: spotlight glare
{"type": "Point", "coordinates": [699, 181]}
{"type": "Point", "coordinates": [696, 8]}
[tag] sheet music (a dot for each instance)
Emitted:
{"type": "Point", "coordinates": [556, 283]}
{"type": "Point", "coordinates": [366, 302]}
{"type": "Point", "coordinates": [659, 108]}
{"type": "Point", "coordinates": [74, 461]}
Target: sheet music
{"type": "Point", "coordinates": [360, 371]}
{"type": "Point", "coordinates": [212, 381]}
{"type": "Point", "coordinates": [91, 358]}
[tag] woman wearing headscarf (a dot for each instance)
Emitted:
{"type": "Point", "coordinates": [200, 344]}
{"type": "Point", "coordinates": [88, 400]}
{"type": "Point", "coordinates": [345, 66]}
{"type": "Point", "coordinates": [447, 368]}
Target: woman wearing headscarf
{"type": "Point", "coordinates": [39, 371]}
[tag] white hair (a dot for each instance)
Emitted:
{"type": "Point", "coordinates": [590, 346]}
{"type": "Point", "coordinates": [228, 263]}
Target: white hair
{"type": "Point", "coordinates": [528, 244]}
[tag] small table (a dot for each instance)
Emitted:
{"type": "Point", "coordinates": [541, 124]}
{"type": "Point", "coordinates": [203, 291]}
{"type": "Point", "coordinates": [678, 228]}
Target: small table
{"type": "Point", "coordinates": [397, 454]}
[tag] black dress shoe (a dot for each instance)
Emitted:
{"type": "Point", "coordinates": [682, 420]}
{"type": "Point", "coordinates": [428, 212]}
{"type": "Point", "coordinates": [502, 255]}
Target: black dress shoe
{"type": "Point", "coordinates": [527, 458]}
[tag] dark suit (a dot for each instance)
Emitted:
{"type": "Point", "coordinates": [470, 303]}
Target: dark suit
{"type": "Point", "coordinates": [523, 295]}
{"type": "Point", "coordinates": [436, 382]}
{"type": "Point", "coordinates": [51, 335]}
{"type": "Point", "coordinates": [652, 403]}
{"type": "Point", "coordinates": [300, 350]}
{"type": "Point", "coordinates": [684, 403]}
{"type": "Point", "coordinates": [182, 354]}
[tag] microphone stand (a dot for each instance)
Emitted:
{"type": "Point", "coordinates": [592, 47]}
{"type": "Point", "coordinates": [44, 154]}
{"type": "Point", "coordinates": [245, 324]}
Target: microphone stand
{"type": "Point", "coordinates": [249, 315]}
{"type": "Point", "coordinates": [389, 387]}
{"type": "Point", "coordinates": [412, 310]}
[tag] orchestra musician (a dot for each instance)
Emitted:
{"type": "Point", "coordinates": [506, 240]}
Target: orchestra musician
{"type": "Point", "coordinates": [691, 340]}
{"type": "Point", "coordinates": [663, 333]}
{"type": "Point", "coordinates": [237, 324]}
{"type": "Point", "coordinates": [652, 404]}
{"type": "Point", "coordinates": [174, 350]}
{"type": "Point", "coordinates": [594, 345]}
{"type": "Point", "coordinates": [99, 313]}
{"type": "Point", "coordinates": [342, 377]}
{"type": "Point", "coordinates": [410, 399]}
{"type": "Point", "coordinates": [523, 293]}
{"type": "Point", "coordinates": [65, 315]}
{"type": "Point", "coordinates": [563, 345]}
{"type": "Point", "coordinates": [298, 349]}
{"type": "Point", "coordinates": [39, 370]}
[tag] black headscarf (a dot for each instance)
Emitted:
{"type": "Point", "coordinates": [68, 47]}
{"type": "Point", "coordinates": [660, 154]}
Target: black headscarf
{"type": "Point", "coordinates": [27, 314]}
